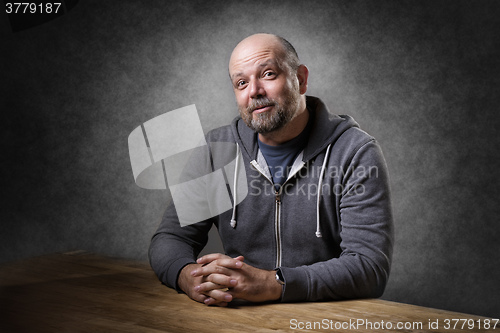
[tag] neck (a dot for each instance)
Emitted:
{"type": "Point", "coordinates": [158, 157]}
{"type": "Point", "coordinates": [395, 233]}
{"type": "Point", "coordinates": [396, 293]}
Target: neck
{"type": "Point", "coordinates": [291, 130]}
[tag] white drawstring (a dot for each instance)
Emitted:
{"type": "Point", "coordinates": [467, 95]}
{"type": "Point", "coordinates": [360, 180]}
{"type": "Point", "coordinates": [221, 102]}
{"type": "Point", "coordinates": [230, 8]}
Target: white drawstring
{"type": "Point", "coordinates": [320, 184]}
{"type": "Point", "coordinates": [235, 181]}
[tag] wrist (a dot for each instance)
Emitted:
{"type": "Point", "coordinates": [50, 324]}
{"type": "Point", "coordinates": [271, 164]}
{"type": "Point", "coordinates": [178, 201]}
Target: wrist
{"type": "Point", "coordinates": [185, 276]}
{"type": "Point", "coordinates": [277, 286]}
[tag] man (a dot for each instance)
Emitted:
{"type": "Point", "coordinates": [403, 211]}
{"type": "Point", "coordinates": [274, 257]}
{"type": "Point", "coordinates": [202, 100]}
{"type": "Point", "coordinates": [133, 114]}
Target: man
{"type": "Point", "coordinates": [316, 224]}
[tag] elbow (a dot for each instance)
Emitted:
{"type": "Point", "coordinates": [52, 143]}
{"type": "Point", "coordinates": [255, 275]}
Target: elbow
{"type": "Point", "coordinates": [377, 270]}
{"type": "Point", "coordinates": [377, 290]}
{"type": "Point", "coordinates": [376, 283]}
{"type": "Point", "coordinates": [371, 289]}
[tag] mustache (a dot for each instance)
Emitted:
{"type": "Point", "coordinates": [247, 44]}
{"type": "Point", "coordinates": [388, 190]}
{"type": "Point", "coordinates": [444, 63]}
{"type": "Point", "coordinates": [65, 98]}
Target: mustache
{"type": "Point", "coordinates": [259, 103]}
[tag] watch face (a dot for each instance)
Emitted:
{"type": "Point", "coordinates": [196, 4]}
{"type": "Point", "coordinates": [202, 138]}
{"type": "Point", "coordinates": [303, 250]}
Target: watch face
{"type": "Point", "coordinates": [279, 278]}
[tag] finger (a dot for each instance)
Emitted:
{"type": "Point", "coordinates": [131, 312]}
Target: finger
{"type": "Point", "coordinates": [230, 263]}
{"type": "Point", "coordinates": [219, 266]}
{"type": "Point", "coordinates": [240, 258]}
{"type": "Point", "coordinates": [215, 303]}
{"type": "Point", "coordinates": [212, 301]}
{"type": "Point", "coordinates": [208, 258]}
{"type": "Point", "coordinates": [222, 280]}
{"type": "Point", "coordinates": [199, 297]}
{"type": "Point", "coordinates": [210, 269]}
{"type": "Point", "coordinates": [206, 286]}
{"type": "Point", "coordinates": [217, 296]}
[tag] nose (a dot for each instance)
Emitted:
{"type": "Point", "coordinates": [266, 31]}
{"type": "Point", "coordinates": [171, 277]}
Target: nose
{"type": "Point", "coordinates": [256, 89]}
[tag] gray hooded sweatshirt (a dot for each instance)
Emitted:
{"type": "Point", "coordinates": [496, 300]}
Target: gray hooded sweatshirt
{"type": "Point", "coordinates": [329, 229]}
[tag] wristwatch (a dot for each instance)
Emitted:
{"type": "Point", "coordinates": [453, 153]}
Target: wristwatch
{"type": "Point", "coordinates": [279, 277]}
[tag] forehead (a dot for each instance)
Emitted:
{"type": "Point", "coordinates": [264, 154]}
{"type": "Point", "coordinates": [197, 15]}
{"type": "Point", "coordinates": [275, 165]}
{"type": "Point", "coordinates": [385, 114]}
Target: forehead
{"type": "Point", "coordinates": [250, 56]}
{"type": "Point", "coordinates": [256, 62]}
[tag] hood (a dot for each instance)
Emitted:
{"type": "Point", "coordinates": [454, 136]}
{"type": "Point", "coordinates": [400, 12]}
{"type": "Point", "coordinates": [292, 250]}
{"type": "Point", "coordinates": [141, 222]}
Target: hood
{"type": "Point", "coordinates": [326, 129]}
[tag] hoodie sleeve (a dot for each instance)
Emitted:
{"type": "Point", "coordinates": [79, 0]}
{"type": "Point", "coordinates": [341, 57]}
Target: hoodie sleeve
{"type": "Point", "coordinates": [183, 231]}
{"type": "Point", "coordinates": [173, 247]}
{"type": "Point", "coordinates": [365, 218]}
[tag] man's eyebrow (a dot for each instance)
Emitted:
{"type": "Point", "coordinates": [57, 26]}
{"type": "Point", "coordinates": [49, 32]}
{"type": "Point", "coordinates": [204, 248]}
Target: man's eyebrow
{"type": "Point", "coordinates": [264, 64]}
{"type": "Point", "coordinates": [268, 62]}
{"type": "Point", "coordinates": [236, 75]}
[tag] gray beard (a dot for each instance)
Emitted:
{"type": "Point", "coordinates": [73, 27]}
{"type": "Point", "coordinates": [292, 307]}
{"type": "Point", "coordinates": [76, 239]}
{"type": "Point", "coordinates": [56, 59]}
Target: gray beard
{"type": "Point", "coordinates": [267, 122]}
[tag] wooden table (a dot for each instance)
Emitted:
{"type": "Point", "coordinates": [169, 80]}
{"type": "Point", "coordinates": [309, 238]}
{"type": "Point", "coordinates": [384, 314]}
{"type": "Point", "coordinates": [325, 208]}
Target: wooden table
{"type": "Point", "coordinates": [82, 292]}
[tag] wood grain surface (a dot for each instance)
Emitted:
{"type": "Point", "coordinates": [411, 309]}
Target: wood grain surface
{"type": "Point", "coordinates": [83, 292]}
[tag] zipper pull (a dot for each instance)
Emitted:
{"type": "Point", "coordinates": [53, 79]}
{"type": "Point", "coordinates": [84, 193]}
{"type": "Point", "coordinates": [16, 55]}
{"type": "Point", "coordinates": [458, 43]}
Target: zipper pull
{"type": "Point", "coordinates": [278, 198]}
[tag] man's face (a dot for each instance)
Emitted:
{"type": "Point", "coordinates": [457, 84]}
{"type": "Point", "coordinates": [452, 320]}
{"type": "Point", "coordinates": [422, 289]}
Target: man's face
{"type": "Point", "coordinates": [266, 91]}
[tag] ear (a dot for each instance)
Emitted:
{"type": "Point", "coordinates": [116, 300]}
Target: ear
{"type": "Point", "coordinates": [302, 76]}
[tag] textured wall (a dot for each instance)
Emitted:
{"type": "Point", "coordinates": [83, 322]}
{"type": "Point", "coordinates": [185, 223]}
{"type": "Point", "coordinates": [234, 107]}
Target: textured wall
{"type": "Point", "coordinates": [421, 76]}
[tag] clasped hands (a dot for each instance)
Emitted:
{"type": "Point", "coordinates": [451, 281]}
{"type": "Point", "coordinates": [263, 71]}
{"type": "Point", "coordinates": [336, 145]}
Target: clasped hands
{"type": "Point", "coordinates": [217, 279]}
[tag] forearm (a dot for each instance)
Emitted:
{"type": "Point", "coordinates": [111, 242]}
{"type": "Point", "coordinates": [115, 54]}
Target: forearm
{"type": "Point", "coordinates": [167, 257]}
{"type": "Point", "coordinates": [173, 247]}
{"type": "Point", "coordinates": [348, 277]}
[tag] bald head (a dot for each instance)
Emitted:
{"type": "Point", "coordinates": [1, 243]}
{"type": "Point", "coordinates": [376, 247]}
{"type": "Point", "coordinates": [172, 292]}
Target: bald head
{"type": "Point", "coordinates": [284, 51]}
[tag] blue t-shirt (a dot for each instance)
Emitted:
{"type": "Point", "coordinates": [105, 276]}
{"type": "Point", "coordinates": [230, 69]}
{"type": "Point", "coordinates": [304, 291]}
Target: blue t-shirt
{"type": "Point", "coordinates": [280, 158]}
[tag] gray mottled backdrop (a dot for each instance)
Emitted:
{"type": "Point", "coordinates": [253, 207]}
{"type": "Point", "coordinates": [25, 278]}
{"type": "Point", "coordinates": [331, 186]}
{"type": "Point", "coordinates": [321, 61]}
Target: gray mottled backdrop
{"type": "Point", "coordinates": [420, 76]}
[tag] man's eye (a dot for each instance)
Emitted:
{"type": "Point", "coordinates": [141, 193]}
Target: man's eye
{"type": "Point", "coordinates": [269, 74]}
{"type": "Point", "coordinates": [240, 83]}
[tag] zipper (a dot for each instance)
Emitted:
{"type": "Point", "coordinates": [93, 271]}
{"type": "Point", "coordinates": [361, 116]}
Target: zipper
{"type": "Point", "coordinates": [277, 213]}
{"type": "Point", "coordinates": [277, 228]}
